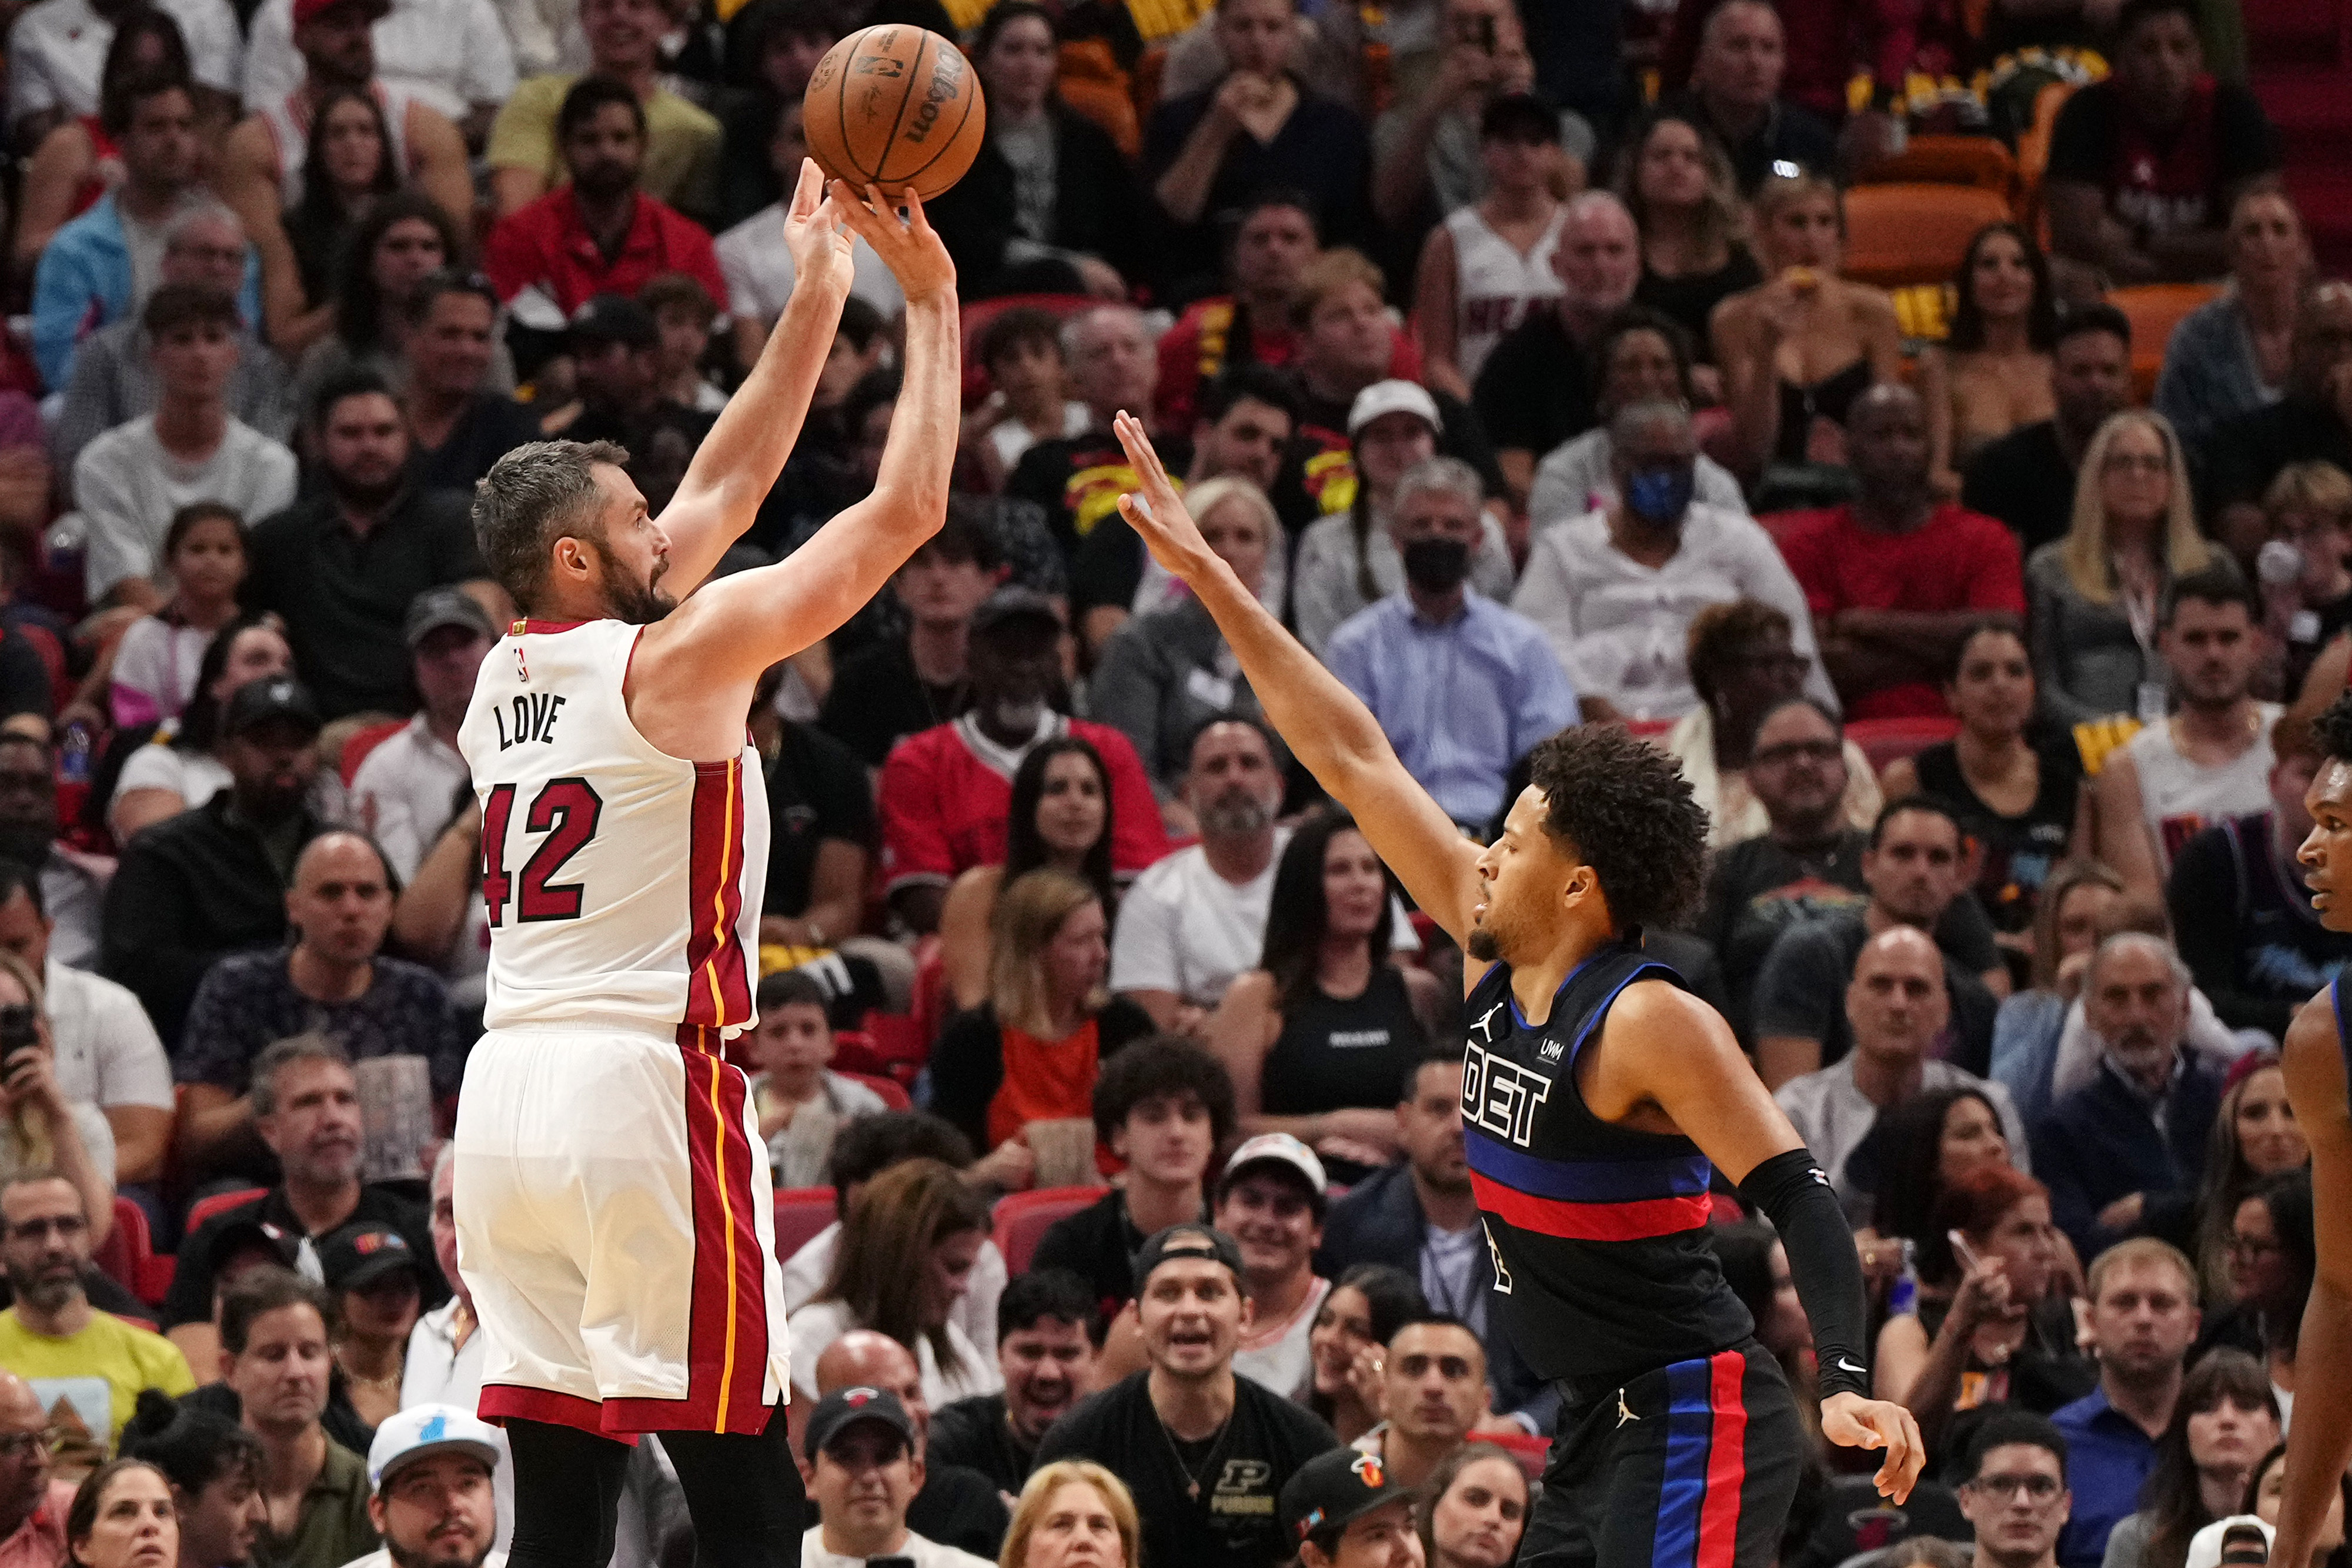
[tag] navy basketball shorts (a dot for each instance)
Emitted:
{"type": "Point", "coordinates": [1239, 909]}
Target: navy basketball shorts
{"type": "Point", "coordinates": [1690, 1465]}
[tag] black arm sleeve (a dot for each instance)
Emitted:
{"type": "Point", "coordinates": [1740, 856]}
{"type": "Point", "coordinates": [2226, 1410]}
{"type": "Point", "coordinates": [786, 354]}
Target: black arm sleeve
{"type": "Point", "coordinates": [1793, 1194]}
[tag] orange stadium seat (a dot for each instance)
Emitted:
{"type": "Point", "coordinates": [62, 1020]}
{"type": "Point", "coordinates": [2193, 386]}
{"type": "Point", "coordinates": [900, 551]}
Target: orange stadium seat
{"type": "Point", "coordinates": [801, 1213]}
{"type": "Point", "coordinates": [204, 1208]}
{"type": "Point", "coordinates": [2154, 309]}
{"type": "Point", "coordinates": [1899, 235]}
{"type": "Point", "coordinates": [1022, 1218]}
{"type": "Point", "coordinates": [1978, 161]}
{"type": "Point", "coordinates": [1090, 81]}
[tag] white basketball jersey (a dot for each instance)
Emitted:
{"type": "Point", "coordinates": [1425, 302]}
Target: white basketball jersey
{"type": "Point", "coordinates": [2178, 798]}
{"type": "Point", "coordinates": [619, 882]}
{"type": "Point", "coordinates": [1494, 284]}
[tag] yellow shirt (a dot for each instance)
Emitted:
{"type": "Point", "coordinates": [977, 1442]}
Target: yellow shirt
{"type": "Point", "coordinates": [120, 1357]}
{"type": "Point", "coordinates": [681, 150]}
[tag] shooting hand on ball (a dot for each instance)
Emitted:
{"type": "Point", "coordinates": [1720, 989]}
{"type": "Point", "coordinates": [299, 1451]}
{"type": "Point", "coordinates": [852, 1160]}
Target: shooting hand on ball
{"type": "Point", "coordinates": [908, 246]}
{"type": "Point", "coordinates": [814, 233]}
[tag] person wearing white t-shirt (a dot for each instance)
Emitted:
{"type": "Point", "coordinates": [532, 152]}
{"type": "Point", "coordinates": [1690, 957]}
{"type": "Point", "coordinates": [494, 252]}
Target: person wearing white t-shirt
{"type": "Point", "coordinates": [452, 55]}
{"type": "Point", "coordinates": [1271, 1201]}
{"type": "Point", "coordinates": [863, 1468]}
{"type": "Point", "coordinates": [106, 1055]}
{"type": "Point", "coordinates": [758, 267]}
{"type": "Point", "coordinates": [131, 481]}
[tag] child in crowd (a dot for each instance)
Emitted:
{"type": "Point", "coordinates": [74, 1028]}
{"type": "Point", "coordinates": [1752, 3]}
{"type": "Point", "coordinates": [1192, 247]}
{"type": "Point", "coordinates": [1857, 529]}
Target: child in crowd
{"type": "Point", "coordinates": [1021, 351]}
{"type": "Point", "coordinates": [800, 1100]}
{"type": "Point", "coordinates": [686, 314]}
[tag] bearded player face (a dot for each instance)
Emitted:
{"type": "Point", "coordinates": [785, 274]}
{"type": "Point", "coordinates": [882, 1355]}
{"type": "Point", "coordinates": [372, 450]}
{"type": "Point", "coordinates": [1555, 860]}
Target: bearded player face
{"type": "Point", "coordinates": [631, 551]}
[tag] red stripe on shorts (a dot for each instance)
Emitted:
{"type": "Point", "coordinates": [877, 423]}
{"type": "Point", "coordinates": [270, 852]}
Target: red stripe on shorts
{"type": "Point", "coordinates": [727, 1334]}
{"type": "Point", "coordinates": [1726, 1461]}
{"type": "Point", "coordinates": [717, 989]}
{"type": "Point", "coordinates": [503, 1402]}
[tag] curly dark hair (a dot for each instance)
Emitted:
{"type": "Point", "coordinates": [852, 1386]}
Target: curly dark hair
{"type": "Point", "coordinates": [1625, 808]}
{"type": "Point", "coordinates": [2332, 730]}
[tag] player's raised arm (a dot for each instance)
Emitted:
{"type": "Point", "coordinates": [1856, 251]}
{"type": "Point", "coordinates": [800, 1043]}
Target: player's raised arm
{"type": "Point", "coordinates": [738, 461]}
{"type": "Point", "coordinates": [2319, 1444]}
{"type": "Point", "coordinates": [738, 626]}
{"type": "Point", "coordinates": [1328, 729]}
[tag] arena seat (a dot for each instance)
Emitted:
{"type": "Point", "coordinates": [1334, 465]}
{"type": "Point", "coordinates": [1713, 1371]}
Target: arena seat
{"type": "Point", "coordinates": [801, 1213]}
{"type": "Point", "coordinates": [129, 1254]}
{"type": "Point", "coordinates": [205, 1208]}
{"type": "Point", "coordinates": [1527, 1448]}
{"type": "Point", "coordinates": [1885, 739]}
{"type": "Point", "coordinates": [2154, 309]}
{"type": "Point", "coordinates": [1089, 80]}
{"type": "Point", "coordinates": [1978, 161]}
{"type": "Point", "coordinates": [1908, 233]}
{"type": "Point", "coordinates": [355, 749]}
{"type": "Point", "coordinates": [894, 1094]}
{"type": "Point", "coordinates": [1022, 1218]}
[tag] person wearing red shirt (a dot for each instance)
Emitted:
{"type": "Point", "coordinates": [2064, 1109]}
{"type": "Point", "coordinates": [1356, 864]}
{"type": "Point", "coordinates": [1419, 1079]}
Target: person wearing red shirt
{"type": "Point", "coordinates": [946, 792]}
{"type": "Point", "coordinates": [1894, 577]}
{"type": "Point", "coordinates": [599, 235]}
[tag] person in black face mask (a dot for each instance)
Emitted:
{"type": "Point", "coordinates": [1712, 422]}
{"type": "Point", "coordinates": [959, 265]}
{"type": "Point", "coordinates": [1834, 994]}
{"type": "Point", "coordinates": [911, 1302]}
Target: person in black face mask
{"type": "Point", "coordinates": [1616, 589]}
{"type": "Point", "coordinates": [1462, 686]}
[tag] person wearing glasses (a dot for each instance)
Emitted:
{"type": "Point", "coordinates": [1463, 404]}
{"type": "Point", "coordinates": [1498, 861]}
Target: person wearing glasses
{"type": "Point", "coordinates": [33, 1504]}
{"type": "Point", "coordinates": [53, 1334]}
{"type": "Point", "coordinates": [2015, 1496]}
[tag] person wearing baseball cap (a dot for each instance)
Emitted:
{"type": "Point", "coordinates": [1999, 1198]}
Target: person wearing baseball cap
{"type": "Point", "coordinates": [863, 1468]}
{"type": "Point", "coordinates": [429, 1491]}
{"type": "Point", "coordinates": [1343, 1510]}
{"type": "Point", "coordinates": [1271, 1200]}
{"type": "Point", "coordinates": [616, 349]}
{"type": "Point", "coordinates": [1206, 1453]}
{"type": "Point", "coordinates": [378, 1283]}
{"type": "Point", "coordinates": [404, 788]}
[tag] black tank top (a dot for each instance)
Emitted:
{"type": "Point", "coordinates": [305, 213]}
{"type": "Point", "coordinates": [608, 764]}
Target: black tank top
{"type": "Point", "coordinates": [1598, 1231]}
{"type": "Point", "coordinates": [2019, 851]}
{"type": "Point", "coordinates": [1831, 398]}
{"type": "Point", "coordinates": [1334, 1053]}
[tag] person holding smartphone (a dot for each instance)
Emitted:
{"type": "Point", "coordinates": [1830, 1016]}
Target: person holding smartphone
{"type": "Point", "coordinates": [38, 1126]}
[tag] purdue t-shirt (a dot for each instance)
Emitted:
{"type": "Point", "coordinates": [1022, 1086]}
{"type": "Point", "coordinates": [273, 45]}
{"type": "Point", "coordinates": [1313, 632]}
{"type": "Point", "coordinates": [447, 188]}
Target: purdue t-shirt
{"type": "Point", "coordinates": [1241, 1471]}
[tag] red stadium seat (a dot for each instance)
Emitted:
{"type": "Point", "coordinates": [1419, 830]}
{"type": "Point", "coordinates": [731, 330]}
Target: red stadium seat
{"type": "Point", "coordinates": [206, 1208]}
{"type": "Point", "coordinates": [1524, 1447]}
{"type": "Point", "coordinates": [894, 1094]}
{"type": "Point", "coordinates": [130, 1256]}
{"type": "Point", "coordinates": [801, 1213]}
{"type": "Point", "coordinates": [1022, 1219]}
{"type": "Point", "coordinates": [1885, 739]}
{"type": "Point", "coordinates": [355, 751]}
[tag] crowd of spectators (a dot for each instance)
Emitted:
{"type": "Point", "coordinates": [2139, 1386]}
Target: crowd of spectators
{"type": "Point", "coordinates": [1512, 358]}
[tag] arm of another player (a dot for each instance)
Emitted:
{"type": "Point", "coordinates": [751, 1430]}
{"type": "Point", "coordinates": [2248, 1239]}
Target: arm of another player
{"type": "Point", "coordinates": [1326, 727]}
{"type": "Point", "coordinates": [1663, 1050]}
{"type": "Point", "coordinates": [738, 463]}
{"type": "Point", "coordinates": [2319, 1444]}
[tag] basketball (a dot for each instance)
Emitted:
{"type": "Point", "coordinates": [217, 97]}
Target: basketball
{"type": "Point", "coordinates": [895, 106]}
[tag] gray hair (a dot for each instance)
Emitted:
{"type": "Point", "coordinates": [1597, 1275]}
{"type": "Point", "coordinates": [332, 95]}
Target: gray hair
{"type": "Point", "coordinates": [1438, 477]}
{"type": "Point", "coordinates": [2148, 939]}
{"type": "Point", "coordinates": [309, 1046]}
{"type": "Point", "coordinates": [1635, 416]}
{"type": "Point", "coordinates": [208, 209]}
{"type": "Point", "coordinates": [1587, 204]}
{"type": "Point", "coordinates": [1229, 489]}
{"type": "Point", "coordinates": [529, 497]}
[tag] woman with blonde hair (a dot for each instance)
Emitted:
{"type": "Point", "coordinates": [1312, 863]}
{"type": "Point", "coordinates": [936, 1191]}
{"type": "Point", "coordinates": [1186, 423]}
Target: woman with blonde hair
{"type": "Point", "coordinates": [1676, 181]}
{"type": "Point", "coordinates": [1031, 1052]}
{"type": "Point", "coordinates": [904, 1261]}
{"type": "Point", "coordinates": [1798, 350]}
{"type": "Point", "coordinates": [1072, 1512]}
{"type": "Point", "coordinates": [2096, 594]}
{"type": "Point", "coordinates": [40, 1129]}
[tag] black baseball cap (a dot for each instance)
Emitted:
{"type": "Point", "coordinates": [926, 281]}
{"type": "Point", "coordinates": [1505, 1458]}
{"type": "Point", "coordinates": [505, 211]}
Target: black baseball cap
{"type": "Point", "coordinates": [1187, 1241]}
{"type": "Point", "coordinates": [843, 1408]}
{"type": "Point", "coordinates": [437, 607]}
{"type": "Point", "coordinates": [1332, 1490]}
{"type": "Point", "coordinates": [273, 699]}
{"type": "Point", "coordinates": [616, 319]}
{"type": "Point", "coordinates": [360, 1255]}
{"type": "Point", "coordinates": [1015, 605]}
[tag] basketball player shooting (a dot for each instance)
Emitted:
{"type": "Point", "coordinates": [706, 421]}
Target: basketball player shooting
{"type": "Point", "coordinates": [2317, 1063]}
{"type": "Point", "coordinates": [613, 1202]}
{"type": "Point", "coordinates": [1595, 1092]}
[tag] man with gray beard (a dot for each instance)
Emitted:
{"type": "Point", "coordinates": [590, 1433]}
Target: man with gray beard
{"type": "Point", "coordinates": [1197, 919]}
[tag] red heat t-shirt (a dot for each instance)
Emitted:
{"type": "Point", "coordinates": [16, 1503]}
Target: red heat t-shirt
{"type": "Point", "coordinates": [1958, 560]}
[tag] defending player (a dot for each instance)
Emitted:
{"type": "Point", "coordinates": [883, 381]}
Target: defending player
{"type": "Point", "coordinates": [1595, 1092]}
{"type": "Point", "coordinates": [614, 1201]}
{"type": "Point", "coordinates": [2317, 1060]}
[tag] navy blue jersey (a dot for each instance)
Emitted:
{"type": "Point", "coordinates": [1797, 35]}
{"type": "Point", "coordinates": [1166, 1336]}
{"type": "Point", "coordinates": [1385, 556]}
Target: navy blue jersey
{"type": "Point", "coordinates": [1598, 1231]}
{"type": "Point", "coordinates": [2343, 1028]}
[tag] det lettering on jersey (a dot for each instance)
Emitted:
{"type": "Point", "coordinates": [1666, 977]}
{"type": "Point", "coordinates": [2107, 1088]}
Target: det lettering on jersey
{"type": "Point", "coordinates": [533, 716]}
{"type": "Point", "coordinates": [1499, 1096]}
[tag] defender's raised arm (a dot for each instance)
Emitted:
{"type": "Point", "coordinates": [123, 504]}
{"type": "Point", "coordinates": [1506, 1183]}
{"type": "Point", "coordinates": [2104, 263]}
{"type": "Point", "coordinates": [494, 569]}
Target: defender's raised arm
{"type": "Point", "coordinates": [1325, 726]}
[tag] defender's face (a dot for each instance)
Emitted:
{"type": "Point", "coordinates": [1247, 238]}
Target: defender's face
{"type": "Point", "coordinates": [2327, 851]}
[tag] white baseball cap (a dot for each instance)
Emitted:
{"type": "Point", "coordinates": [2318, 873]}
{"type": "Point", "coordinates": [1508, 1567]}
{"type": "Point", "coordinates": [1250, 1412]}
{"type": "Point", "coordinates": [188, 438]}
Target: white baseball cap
{"type": "Point", "coordinates": [1282, 1149]}
{"type": "Point", "coordinates": [1393, 397]}
{"type": "Point", "coordinates": [423, 1430]}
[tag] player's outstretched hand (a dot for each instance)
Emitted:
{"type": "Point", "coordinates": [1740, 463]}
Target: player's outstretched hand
{"type": "Point", "coordinates": [908, 245]}
{"type": "Point", "coordinates": [1155, 511]}
{"type": "Point", "coordinates": [814, 235]}
{"type": "Point", "coordinates": [1852, 1422]}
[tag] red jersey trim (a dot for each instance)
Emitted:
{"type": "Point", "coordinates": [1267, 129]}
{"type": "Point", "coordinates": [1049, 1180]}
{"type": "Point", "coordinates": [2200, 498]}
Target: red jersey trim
{"type": "Point", "coordinates": [718, 990]}
{"type": "Point", "coordinates": [503, 1402]}
{"type": "Point", "coordinates": [1635, 1221]}
{"type": "Point", "coordinates": [726, 1337]}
